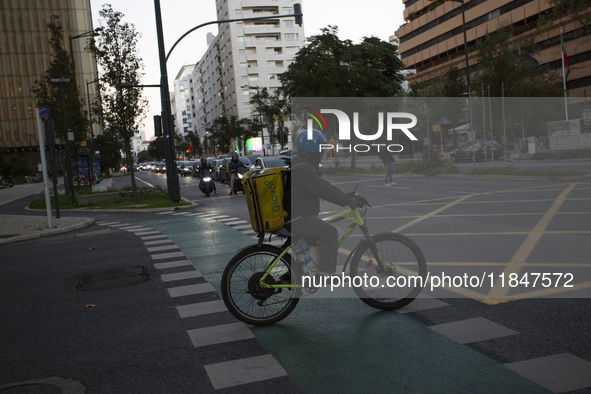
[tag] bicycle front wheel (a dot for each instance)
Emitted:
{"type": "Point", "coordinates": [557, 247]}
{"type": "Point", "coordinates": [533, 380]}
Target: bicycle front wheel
{"type": "Point", "coordinates": [242, 293]}
{"type": "Point", "coordinates": [396, 282]}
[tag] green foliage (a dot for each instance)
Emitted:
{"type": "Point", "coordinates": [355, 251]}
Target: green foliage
{"type": "Point", "coordinates": [109, 146]}
{"type": "Point", "coordinates": [116, 54]}
{"type": "Point", "coordinates": [147, 198]}
{"type": "Point", "coordinates": [48, 93]}
{"type": "Point", "coordinates": [329, 67]}
{"type": "Point", "coordinates": [156, 149]}
{"type": "Point", "coordinates": [272, 110]}
{"type": "Point", "coordinates": [506, 60]}
{"type": "Point", "coordinates": [229, 128]}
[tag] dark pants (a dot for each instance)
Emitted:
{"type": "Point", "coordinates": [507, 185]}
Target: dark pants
{"type": "Point", "coordinates": [324, 235]}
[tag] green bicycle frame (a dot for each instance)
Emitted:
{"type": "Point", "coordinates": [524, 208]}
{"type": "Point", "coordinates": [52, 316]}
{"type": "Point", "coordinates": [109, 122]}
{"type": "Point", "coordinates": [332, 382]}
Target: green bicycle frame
{"type": "Point", "coordinates": [357, 222]}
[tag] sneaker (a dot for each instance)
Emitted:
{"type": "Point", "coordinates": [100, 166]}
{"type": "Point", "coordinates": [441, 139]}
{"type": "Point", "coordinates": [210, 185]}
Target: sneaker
{"type": "Point", "coordinates": [387, 184]}
{"type": "Point", "coordinates": [392, 184]}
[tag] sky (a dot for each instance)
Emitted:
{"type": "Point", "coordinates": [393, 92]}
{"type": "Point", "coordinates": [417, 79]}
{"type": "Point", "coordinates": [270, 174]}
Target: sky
{"type": "Point", "coordinates": [380, 18]}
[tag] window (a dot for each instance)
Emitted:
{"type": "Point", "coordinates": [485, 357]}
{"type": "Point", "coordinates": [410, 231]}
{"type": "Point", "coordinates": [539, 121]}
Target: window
{"type": "Point", "coordinates": [289, 23]}
{"type": "Point", "coordinates": [291, 36]}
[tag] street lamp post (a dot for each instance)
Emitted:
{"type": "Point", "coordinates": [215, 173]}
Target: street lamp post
{"type": "Point", "coordinates": [172, 179]}
{"type": "Point", "coordinates": [91, 33]}
{"type": "Point", "coordinates": [467, 63]}
{"type": "Point", "coordinates": [90, 110]}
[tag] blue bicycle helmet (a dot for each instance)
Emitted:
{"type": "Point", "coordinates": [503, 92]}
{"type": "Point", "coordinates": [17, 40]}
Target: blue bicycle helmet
{"type": "Point", "coordinates": [310, 145]}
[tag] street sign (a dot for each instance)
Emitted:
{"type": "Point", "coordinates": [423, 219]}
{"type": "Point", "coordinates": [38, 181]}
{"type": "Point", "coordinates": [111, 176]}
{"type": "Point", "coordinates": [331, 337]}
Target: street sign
{"type": "Point", "coordinates": [43, 112]}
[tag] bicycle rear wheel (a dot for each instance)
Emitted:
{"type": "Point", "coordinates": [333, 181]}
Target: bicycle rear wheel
{"type": "Point", "coordinates": [242, 293]}
{"type": "Point", "coordinates": [402, 279]}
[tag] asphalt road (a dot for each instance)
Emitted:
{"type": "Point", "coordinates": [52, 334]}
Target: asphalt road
{"type": "Point", "coordinates": [485, 339]}
{"type": "Point", "coordinates": [483, 228]}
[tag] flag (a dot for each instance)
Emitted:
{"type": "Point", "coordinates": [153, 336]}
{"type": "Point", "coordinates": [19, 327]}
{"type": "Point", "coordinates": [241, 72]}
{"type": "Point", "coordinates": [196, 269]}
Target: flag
{"type": "Point", "coordinates": [563, 47]}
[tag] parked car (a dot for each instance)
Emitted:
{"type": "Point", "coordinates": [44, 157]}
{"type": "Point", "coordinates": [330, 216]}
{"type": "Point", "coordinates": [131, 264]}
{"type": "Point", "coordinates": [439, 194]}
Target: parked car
{"type": "Point", "coordinates": [288, 152]}
{"type": "Point", "coordinates": [480, 149]}
{"type": "Point", "coordinates": [264, 162]}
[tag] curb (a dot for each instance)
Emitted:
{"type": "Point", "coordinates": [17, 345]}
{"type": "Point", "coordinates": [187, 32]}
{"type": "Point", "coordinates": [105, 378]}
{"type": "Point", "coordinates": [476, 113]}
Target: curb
{"type": "Point", "coordinates": [84, 222]}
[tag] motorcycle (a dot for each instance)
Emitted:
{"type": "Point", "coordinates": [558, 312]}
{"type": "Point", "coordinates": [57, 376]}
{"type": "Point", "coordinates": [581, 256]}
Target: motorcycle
{"type": "Point", "coordinates": [240, 171]}
{"type": "Point", "coordinates": [206, 184]}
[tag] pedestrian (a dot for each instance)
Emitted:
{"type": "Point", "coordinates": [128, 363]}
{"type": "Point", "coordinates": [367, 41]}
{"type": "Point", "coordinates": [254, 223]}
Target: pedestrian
{"type": "Point", "coordinates": [387, 158]}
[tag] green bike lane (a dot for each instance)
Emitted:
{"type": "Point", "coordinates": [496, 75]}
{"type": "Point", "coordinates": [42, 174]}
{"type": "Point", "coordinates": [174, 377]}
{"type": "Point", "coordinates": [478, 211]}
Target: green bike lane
{"type": "Point", "coordinates": [343, 345]}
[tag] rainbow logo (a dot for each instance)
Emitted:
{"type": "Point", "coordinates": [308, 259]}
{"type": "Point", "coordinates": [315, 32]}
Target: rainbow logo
{"type": "Point", "coordinates": [317, 117]}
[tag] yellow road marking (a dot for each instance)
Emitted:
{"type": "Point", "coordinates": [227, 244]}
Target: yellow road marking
{"type": "Point", "coordinates": [520, 257]}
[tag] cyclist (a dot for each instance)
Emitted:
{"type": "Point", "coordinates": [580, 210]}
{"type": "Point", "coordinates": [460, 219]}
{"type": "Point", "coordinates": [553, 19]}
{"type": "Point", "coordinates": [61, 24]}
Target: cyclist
{"type": "Point", "coordinates": [308, 187]}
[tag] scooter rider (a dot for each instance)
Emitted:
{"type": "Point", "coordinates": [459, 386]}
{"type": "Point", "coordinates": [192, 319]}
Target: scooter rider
{"type": "Point", "coordinates": [308, 187]}
{"type": "Point", "coordinates": [234, 165]}
{"type": "Point", "coordinates": [204, 165]}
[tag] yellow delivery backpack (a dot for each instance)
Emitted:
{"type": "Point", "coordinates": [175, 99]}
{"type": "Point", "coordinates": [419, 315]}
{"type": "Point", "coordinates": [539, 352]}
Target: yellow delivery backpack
{"type": "Point", "coordinates": [264, 196]}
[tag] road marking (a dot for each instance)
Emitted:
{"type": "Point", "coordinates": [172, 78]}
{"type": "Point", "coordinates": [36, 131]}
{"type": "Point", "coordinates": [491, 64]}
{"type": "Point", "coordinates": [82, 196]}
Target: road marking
{"type": "Point", "coordinates": [149, 237]}
{"type": "Point", "coordinates": [473, 330]}
{"type": "Point", "coordinates": [247, 370]}
{"type": "Point", "coordinates": [389, 187]}
{"type": "Point", "coordinates": [150, 232]}
{"type": "Point", "coordinates": [181, 275]}
{"type": "Point", "coordinates": [201, 308]}
{"type": "Point", "coordinates": [172, 264]}
{"type": "Point", "coordinates": [141, 180]}
{"type": "Point", "coordinates": [520, 257]}
{"type": "Point", "coordinates": [220, 334]}
{"type": "Point", "coordinates": [158, 241]}
{"type": "Point", "coordinates": [163, 247]}
{"type": "Point", "coordinates": [236, 222]}
{"type": "Point", "coordinates": [200, 288]}
{"type": "Point", "coordinates": [167, 255]}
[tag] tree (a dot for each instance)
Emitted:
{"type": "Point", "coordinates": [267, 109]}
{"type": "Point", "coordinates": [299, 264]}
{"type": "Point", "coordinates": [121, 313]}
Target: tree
{"type": "Point", "coordinates": [511, 63]}
{"type": "Point", "coordinates": [123, 107]}
{"type": "Point", "coordinates": [110, 147]}
{"type": "Point", "coordinates": [272, 111]}
{"type": "Point", "coordinates": [47, 92]}
{"type": "Point", "coordinates": [230, 129]}
{"type": "Point", "coordinates": [330, 67]}
{"type": "Point", "coordinates": [156, 149]}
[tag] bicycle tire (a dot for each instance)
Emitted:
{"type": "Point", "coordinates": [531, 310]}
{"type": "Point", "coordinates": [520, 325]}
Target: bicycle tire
{"type": "Point", "coordinates": [403, 257]}
{"type": "Point", "coordinates": [249, 302]}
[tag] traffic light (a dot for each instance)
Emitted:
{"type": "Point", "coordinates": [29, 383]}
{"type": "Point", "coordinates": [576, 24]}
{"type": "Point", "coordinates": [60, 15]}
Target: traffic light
{"type": "Point", "coordinates": [157, 125]}
{"type": "Point", "coordinates": [297, 10]}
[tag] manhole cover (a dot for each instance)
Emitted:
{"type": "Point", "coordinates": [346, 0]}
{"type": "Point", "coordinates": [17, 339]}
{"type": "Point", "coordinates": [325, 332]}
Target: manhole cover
{"type": "Point", "coordinates": [113, 279]}
{"type": "Point", "coordinates": [32, 388]}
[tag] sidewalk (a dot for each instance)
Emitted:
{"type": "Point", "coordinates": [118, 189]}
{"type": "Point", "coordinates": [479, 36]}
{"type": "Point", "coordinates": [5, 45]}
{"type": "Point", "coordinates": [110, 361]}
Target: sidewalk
{"type": "Point", "coordinates": [17, 226]}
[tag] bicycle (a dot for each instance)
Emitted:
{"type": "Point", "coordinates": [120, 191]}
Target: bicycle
{"type": "Point", "coordinates": [255, 292]}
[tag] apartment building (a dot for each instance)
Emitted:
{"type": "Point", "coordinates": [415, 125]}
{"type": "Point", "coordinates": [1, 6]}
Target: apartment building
{"type": "Point", "coordinates": [243, 58]}
{"type": "Point", "coordinates": [182, 101]}
{"type": "Point", "coordinates": [25, 55]}
{"type": "Point", "coordinates": [432, 40]}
